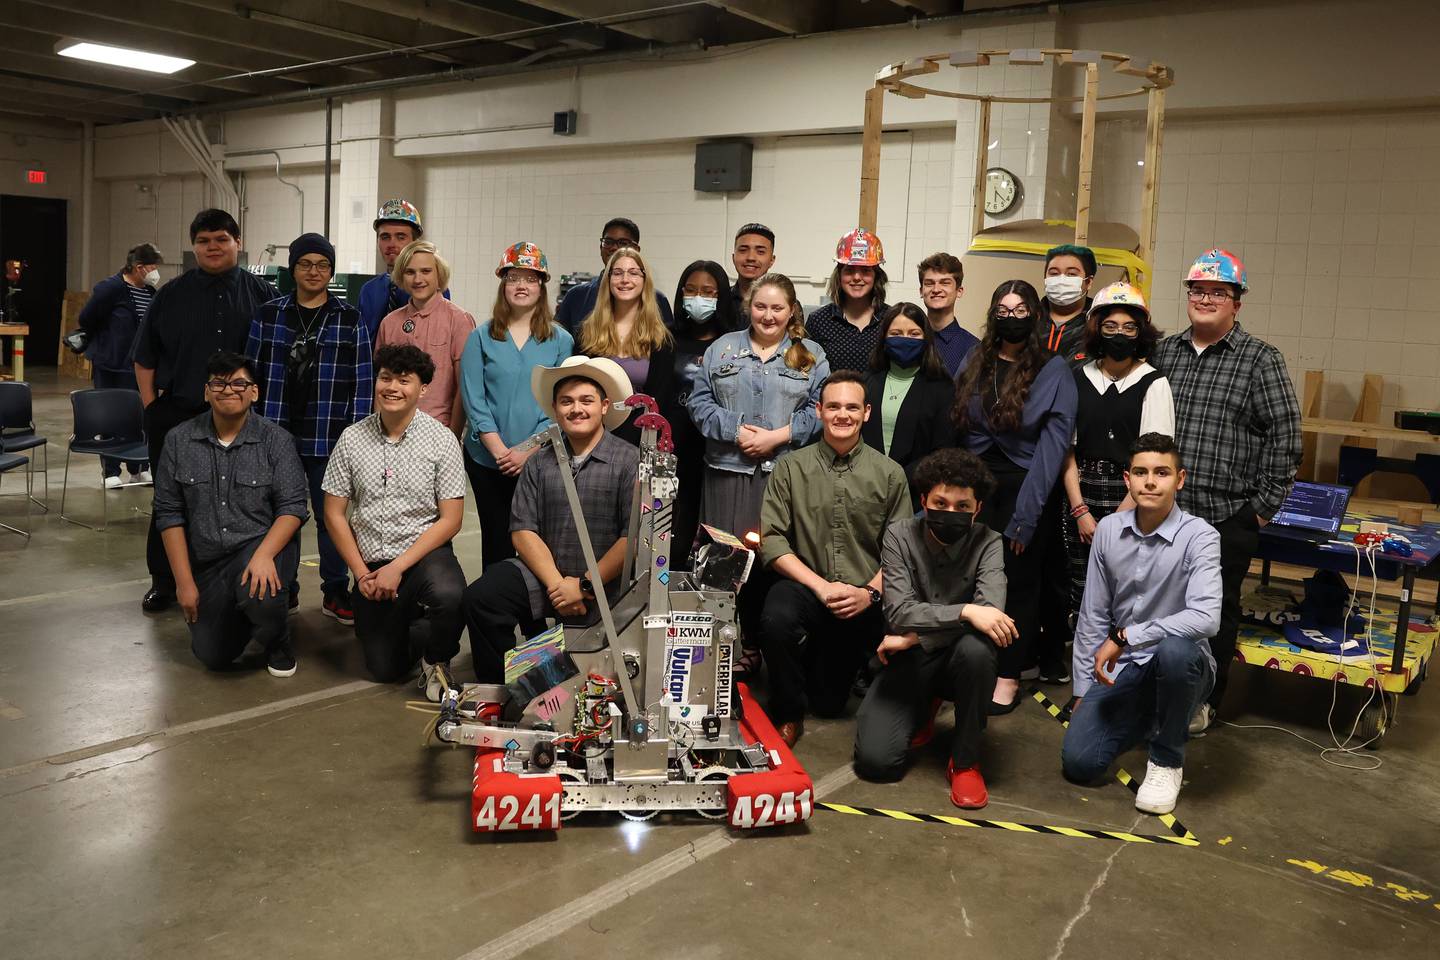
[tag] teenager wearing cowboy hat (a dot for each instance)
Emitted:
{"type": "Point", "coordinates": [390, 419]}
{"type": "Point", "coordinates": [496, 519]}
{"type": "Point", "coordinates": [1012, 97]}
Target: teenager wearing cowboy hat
{"type": "Point", "coordinates": [549, 577]}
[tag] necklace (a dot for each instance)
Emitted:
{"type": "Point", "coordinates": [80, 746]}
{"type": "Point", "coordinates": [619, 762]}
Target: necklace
{"type": "Point", "coordinates": [307, 324]}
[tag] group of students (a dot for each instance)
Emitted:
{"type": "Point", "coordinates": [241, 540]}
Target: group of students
{"type": "Point", "coordinates": [936, 512]}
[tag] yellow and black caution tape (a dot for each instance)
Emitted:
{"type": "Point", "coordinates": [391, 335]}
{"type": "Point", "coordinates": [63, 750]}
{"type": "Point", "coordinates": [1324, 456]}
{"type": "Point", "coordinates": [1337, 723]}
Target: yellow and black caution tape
{"type": "Point", "coordinates": [1168, 819]}
{"type": "Point", "coordinates": [1036, 828]}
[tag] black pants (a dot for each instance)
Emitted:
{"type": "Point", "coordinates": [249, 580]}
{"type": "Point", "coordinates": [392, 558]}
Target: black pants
{"type": "Point", "coordinates": [898, 702]}
{"type": "Point", "coordinates": [812, 654]}
{"type": "Point", "coordinates": [430, 589]}
{"type": "Point", "coordinates": [1239, 541]}
{"type": "Point", "coordinates": [229, 617]}
{"type": "Point", "coordinates": [493, 606]}
{"type": "Point", "coordinates": [1036, 597]}
{"type": "Point", "coordinates": [117, 380]}
{"type": "Point", "coordinates": [1054, 562]}
{"type": "Point", "coordinates": [493, 493]}
{"type": "Point", "coordinates": [162, 416]}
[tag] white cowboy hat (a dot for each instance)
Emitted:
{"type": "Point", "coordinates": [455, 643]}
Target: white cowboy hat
{"type": "Point", "coordinates": [613, 380]}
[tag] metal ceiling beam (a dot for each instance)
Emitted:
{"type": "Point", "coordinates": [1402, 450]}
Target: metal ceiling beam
{"type": "Point", "coordinates": [795, 17]}
{"type": "Point", "coordinates": [453, 15]}
{"type": "Point", "coordinates": [115, 107]}
{"type": "Point", "coordinates": [683, 25]}
{"type": "Point", "coordinates": [931, 8]}
{"type": "Point", "coordinates": [278, 46]}
{"type": "Point", "coordinates": [21, 57]}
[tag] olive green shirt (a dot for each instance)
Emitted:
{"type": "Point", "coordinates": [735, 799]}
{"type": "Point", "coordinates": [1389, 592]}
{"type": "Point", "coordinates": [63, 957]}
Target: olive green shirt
{"type": "Point", "coordinates": [831, 511]}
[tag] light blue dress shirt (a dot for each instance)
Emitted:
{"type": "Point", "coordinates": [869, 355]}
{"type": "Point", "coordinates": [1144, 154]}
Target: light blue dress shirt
{"type": "Point", "coordinates": [495, 386]}
{"type": "Point", "coordinates": [1164, 584]}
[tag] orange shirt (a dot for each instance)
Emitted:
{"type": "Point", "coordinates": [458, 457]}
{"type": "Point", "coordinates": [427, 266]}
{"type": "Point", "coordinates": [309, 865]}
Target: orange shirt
{"type": "Point", "coordinates": [440, 328]}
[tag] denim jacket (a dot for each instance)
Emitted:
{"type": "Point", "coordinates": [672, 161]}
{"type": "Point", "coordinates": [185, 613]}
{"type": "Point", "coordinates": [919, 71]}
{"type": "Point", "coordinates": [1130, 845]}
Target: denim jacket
{"type": "Point", "coordinates": [735, 386]}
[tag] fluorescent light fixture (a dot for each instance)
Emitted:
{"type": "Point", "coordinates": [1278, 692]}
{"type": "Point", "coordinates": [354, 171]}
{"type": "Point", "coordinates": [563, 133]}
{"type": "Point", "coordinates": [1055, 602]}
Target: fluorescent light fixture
{"type": "Point", "coordinates": [122, 57]}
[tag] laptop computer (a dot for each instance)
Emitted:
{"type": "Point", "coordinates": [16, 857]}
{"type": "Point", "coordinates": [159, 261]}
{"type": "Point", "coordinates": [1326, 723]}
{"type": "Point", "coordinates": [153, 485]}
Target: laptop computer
{"type": "Point", "coordinates": [1312, 512]}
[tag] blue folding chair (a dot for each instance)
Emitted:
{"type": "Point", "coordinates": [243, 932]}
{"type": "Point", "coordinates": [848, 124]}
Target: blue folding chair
{"type": "Point", "coordinates": [108, 423]}
{"type": "Point", "coordinates": [8, 462]}
{"type": "Point", "coordinates": [17, 433]}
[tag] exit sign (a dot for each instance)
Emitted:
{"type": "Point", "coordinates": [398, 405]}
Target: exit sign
{"type": "Point", "coordinates": [34, 176]}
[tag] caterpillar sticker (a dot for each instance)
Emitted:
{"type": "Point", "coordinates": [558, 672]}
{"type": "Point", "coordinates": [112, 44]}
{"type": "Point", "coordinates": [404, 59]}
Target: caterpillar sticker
{"type": "Point", "coordinates": [1168, 819]}
{"type": "Point", "coordinates": [723, 679]}
{"type": "Point", "coordinates": [1035, 828]}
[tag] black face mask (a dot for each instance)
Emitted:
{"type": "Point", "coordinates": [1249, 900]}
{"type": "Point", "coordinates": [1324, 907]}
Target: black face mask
{"type": "Point", "coordinates": [948, 526]}
{"type": "Point", "coordinates": [1014, 329]}
{"type": "Point", "coordinates": [1117, 346]}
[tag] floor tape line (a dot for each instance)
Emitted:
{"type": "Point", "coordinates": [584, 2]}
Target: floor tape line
{"type": "Point", "coordinates": [1038, 829]}
{"type": "Point", "coordinates": [1175, 826]}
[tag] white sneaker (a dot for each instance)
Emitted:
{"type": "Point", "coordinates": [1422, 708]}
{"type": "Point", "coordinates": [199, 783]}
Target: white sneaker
{"type": "Point", "coordinates": [114, 483]}
{"type": "Point", "coordinates": [144, 476]}
{"type": "Point", "coordinates": [435, 679]}
{"type": "Point", "coordinates": [1160, 789]}
{"type": "Point", "coordinates": [1202, 720]}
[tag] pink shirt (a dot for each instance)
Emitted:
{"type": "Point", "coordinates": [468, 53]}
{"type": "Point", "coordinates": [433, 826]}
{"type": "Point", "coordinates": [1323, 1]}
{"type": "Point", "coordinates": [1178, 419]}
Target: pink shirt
{"type": "Point", "coordinates": [440, 328]}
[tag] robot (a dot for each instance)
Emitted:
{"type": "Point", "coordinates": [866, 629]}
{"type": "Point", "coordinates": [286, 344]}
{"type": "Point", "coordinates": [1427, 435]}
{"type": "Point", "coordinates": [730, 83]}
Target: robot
{"type": "Point", "coordinates": [640, 713]}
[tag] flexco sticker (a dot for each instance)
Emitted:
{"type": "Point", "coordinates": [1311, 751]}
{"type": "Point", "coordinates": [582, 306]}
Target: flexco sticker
{"type": "Point", "coordinates": [678, 661]}
{"type": "Point", "coordinates": [723, 684]}
{"type": "Point", "coordinates": [690, 629]}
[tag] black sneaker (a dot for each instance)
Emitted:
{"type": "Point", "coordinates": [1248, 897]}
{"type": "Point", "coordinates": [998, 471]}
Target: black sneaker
{"type": "Point", "coordinates": [282, 660]}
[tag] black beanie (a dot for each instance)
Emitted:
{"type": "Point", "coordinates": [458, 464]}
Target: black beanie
{"type": "Point", "coordinates": [311, 243]}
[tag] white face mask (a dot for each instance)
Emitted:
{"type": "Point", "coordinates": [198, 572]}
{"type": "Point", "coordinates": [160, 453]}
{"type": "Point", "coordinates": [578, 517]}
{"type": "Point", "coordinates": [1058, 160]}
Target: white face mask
{"type": "Point", "coordinates": [1063, 291]}
{"type": "Point", "coordinates": [152, 278]}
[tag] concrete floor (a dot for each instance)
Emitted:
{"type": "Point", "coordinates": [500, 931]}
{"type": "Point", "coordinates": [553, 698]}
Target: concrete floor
{"type": "Point", "coordinates": [150, 809]}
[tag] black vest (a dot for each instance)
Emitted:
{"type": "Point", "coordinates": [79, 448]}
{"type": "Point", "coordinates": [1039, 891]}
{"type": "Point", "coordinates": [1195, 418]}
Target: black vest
{"type": "Point", "coordinates": [1106, 424]}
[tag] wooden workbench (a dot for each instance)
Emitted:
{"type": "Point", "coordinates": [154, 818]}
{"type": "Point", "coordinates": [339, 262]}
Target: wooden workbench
{"type": "Point", "coordinates": [17, 332]}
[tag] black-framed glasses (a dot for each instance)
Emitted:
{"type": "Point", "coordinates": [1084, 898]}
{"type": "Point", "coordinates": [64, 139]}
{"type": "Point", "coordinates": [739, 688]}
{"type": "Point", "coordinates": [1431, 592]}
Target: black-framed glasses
{"type": "Point", "coordinates": [1021, 313]}
{"type": "Point", "coordinates": [1214, 296]}
{"type": "Point", "coordinates": [239, 385]}
{"type": "Point", "coordinates": [312, 266]}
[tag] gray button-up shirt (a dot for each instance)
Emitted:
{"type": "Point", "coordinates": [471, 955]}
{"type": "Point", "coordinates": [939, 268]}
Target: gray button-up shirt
{"type": "Point", "coordinates": [226, 497]}
{"type": "Point", "coordinates": [605, 482]}
{"type": "Point", "coordinates": [927, 584]}
{"type": "Point", "coordinates": [1152, 586]}
{"type": "Point", "coordinates": [394, 486]}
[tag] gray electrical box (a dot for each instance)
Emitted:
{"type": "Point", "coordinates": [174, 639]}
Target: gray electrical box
{"type": "Point", "coordinates": [722, 166]}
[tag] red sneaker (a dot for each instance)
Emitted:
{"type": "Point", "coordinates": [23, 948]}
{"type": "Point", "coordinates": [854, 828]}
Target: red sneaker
{"type": "Point", "coordinates": [967, 788]}
{"type": "Point", "coordinates": [339, 608]}
{"type": "Point", "coordinates": [927, 732]}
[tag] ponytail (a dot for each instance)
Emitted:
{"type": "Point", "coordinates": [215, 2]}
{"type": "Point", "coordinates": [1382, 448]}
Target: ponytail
{"type": "Point", "coordinates": [797, 357]}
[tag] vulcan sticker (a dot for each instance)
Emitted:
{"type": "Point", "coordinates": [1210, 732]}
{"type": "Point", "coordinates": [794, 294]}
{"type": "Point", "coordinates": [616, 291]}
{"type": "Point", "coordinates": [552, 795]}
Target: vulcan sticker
{"type": "Point", "coordinates": [678, 661]}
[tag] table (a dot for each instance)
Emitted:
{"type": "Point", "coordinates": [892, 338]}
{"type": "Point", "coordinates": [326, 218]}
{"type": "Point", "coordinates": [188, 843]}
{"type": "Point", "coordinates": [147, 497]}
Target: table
{"type": "Point", "coordinates": [1410, 643]}
{"type": "Point", "coordinates": [17, 332]}
{"type": "Point", "coordinates": [1357, 463]}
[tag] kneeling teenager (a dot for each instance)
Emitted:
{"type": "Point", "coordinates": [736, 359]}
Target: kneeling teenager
{"type": "Point", "coordinates": [399, 476]}
{"type": "Point", "coordinates": [1142, 643]}
{"type": "Point", "coordinates": [944, 603]}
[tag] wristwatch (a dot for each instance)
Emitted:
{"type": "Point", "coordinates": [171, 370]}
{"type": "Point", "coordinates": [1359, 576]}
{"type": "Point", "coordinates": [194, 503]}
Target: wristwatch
{"type": "Point", "coordinates": [874, 594]}
{"type": "Point", "coordinates": [1118, 636]}
{"type": "Point", "coordinates": [587, 589]}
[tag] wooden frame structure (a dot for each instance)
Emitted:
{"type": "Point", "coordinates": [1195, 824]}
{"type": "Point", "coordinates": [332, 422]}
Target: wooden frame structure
{"type": "Point", "coordinates": [895, 78]}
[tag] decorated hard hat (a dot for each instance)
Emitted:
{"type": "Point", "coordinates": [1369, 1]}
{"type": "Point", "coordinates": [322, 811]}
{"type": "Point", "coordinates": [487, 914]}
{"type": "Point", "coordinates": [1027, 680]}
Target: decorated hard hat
{"type": "Point", "coordinates": [859, 248]}
{"type": "Point", "coordinates": [399, 211]}
{"type": "Point", "coordinates": [1221, 266]}
{"type": "Point", "coordinates": [524, 254]}
{"type": "Point", "coordinates": [1119, 294]}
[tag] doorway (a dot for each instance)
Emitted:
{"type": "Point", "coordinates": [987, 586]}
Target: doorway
{"type": "Point", "coordinates": [32, 230]}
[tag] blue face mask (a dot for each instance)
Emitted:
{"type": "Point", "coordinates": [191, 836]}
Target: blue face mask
{"type": "Point", "coordinates": [700, 308]}
{"type": "Point", "coordinates": [906, 351]}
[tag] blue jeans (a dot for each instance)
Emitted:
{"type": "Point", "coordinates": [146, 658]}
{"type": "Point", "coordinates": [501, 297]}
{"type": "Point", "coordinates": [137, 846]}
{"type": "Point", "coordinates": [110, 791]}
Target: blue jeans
{"type": "Point", "coordinates": [334, 576]}
{"type": "Point", "coordinates": [1151, 701]}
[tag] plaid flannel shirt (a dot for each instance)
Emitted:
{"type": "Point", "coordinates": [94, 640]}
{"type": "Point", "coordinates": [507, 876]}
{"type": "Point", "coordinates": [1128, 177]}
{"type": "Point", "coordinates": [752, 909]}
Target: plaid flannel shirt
{"type": "Point", "coordinates": [1237, 423]}
{"type": "Point", "coordinates": [344, 380]}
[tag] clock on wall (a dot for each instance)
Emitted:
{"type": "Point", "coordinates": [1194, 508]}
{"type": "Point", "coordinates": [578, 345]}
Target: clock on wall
{"type": "Point", "coordinates": [1002, 190]}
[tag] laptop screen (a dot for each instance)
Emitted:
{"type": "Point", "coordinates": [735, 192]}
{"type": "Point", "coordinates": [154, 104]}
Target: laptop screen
{"type": "Point", "coordinates": [1318, 507]}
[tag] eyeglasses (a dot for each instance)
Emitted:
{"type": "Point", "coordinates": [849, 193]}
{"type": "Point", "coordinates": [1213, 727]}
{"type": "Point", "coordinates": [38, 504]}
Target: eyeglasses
{"type": "Point", "coordinates": [239, 385]}
{"type": "Point", "coordinates": [514, 280]}
{"type": "Point", "coordinates": [1214, 296]}
{"type": "Point", "coordinates": [629, 274]}
{"type": "Point", "coordinates": [1129, 329]}
{"type": "Point", "coordinates": [610, 243]}
{"type": "Point", "coordinates": [1021, 313]}
{"type": "Point", "coordinates": [312, 266]}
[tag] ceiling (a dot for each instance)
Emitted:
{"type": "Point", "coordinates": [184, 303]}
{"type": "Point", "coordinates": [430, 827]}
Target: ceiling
{"type": "Point", "coordinates": [250, 51]}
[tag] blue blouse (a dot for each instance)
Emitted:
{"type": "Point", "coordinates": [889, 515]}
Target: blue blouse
{"type": "Point", "coordinates": [495, 386]}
